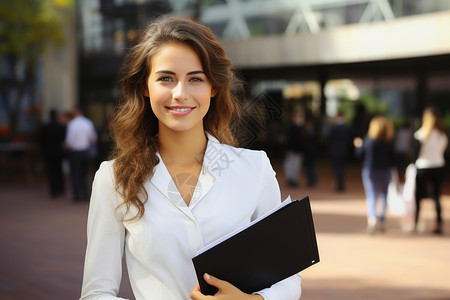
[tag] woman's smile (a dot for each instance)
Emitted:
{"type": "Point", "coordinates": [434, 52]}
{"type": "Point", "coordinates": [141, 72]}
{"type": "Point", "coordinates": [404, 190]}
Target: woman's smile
{"type": "Point", "coordinates": [179, 111]}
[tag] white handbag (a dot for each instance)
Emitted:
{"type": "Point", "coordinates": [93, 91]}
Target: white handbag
{"type": "Point", "coordinates": [401, 196]}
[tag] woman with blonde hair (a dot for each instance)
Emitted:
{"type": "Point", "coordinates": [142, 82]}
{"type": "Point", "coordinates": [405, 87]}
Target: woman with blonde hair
{"type": "Point", "coordinates": [430, 162]}
{"type": "Point", "coordinates": [176, 181]}
{"type": "Point", "coordinates": [378, 158]}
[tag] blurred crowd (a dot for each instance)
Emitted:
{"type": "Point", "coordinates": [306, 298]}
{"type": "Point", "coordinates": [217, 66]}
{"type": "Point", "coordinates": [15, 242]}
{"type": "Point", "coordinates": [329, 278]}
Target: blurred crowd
{"type": "Point", "coordinates": [72, 148]}
{"type": "Point", "coordinates": [399, 166]}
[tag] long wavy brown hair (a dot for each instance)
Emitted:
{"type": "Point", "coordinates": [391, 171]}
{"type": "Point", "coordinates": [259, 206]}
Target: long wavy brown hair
{"type": "Point", "coordinates": [135, 127]}
{"type": "Point", "coordinates": [381, 128]}
{"type": "Point", "coordinates": [431, 119]}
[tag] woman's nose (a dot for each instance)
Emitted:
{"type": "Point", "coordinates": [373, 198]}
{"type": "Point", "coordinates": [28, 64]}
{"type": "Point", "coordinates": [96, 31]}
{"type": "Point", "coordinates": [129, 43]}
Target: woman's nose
{"type": "Point", "coordinates": [179, 91]}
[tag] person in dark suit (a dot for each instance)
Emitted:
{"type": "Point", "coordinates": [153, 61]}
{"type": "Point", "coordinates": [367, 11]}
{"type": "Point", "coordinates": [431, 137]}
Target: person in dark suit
{"type": "Point", "coordinates": [311, 151]}
{"type": "Point", "coordinates": [296, 140]}
{"type": "Point", "coordinates": [52, 138]}
{"type": "Point", "coordinates": [339, 143]}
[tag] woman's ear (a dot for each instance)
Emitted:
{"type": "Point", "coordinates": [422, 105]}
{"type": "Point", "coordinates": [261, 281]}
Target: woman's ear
{"type": "Point", "coordinates": [213, 92]}
{"type": "Point", "coordinates": [145, 92]}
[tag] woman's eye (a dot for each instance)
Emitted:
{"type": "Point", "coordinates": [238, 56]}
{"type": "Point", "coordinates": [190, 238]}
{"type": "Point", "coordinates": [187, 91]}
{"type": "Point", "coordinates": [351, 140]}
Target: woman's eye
{"type": "Point", "coordinates": [164, 78]}
{"type": "Point", "coordinates": [196, 79]}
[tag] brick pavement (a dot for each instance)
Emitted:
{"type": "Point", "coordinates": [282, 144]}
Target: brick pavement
{"type": "Point", "coordinates": [392, 265]}
{"type": "Point", "coordinates": [42, 247]}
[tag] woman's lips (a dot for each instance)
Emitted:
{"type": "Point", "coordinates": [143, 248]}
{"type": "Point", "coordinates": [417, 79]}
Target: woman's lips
{"type": "Point", "coordinates": [180, 110]}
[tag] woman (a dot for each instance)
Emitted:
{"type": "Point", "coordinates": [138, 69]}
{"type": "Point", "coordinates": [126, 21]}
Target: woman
{"type": "Point", "coordinates": [430, 162]}
{"type": "Point", "coordinates": [176, 182]}
{"type": "Point", "coordinates": [377, 150]}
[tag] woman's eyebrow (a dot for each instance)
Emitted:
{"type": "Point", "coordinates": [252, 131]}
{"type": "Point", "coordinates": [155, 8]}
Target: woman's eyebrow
{"type": "Point", "coordinates": [195, 72]}
{"type": "Point", "coordinates": [165, 72]}
{"type": "Point", "coordinates": [173, 73]}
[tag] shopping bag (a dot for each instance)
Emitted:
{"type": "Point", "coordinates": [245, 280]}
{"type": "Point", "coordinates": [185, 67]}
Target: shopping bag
{"type": "Point", "coordinates": [395, 201]}
{"type": "Point", "coordinates": [401, 197]}
{"type": "Point", "coordinates": [409, 190]}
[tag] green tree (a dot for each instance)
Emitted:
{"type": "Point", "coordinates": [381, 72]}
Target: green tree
{"type": "Point", "coordinates": [27, 28]}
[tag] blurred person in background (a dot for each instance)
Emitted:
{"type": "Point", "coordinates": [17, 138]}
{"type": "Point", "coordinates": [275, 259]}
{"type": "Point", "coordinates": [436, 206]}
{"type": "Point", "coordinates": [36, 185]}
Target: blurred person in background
{"type": "Point", "coordinates": [339, 138]}
{"type": "Point", "coordinates": [65, 118]}
{"type": "Point", "coordinates": [80, 138]}
{"type": "Point", "coordinates": [52, 136]}
{"type": "Point", "coordinates": [311, 152]}
{"type": "Point", "coordinates": [403, 145]}
{"type": "Point", "coordinates": [431, 142]}
{"type": "Point", "coordinates": [377, 152]}
{"type": "Point", "coordinates": [361, 120]}
{"type": "Point", "coordinates": [296, 140]}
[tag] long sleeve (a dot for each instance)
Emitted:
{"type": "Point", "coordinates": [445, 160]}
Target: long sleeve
{"type": "Point", "coordinates": [106, 236]}
{"type": "Point", "coordinates": [289, 288]}
{"type": "Point", "coordinates": [269, 195]}
{"type": "Point", "coordinates": [359, 151]}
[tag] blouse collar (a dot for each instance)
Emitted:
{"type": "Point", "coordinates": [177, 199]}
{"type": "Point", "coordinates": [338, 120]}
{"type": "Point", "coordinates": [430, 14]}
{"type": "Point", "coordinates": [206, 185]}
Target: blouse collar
{"type": "Point", "coordinates": [215, 163]}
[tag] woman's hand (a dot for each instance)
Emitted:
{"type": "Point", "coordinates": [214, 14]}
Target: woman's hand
{"type": "Point", "coordinates": [358, 142]}
{"type": "Point", "coordinates": [226, 291]}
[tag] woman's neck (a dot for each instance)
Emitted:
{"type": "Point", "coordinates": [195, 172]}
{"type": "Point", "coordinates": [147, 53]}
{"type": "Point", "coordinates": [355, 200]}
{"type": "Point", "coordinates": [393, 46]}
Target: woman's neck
{"type": "Point", "coordinates": [182, 148]}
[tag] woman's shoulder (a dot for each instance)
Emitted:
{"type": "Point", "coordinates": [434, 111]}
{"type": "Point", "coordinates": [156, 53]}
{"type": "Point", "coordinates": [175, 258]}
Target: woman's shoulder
{"type": "Point", "coordinates": [105, 172]}
{"type": "Point", "coordinates": [369, 142]}
{"type": "Point", "coordinates": [106, 166]}
{"type": "Point", "coordinates": [246, 157]}
{"type": "Point", "coordinates": [243, 156]}
{"type": "Point", "coordinates": [439, 134]}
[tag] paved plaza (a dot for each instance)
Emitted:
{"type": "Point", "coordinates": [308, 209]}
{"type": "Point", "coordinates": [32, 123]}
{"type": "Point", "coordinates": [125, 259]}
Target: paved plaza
{"type": "Point", "coordinates": [43, 240]}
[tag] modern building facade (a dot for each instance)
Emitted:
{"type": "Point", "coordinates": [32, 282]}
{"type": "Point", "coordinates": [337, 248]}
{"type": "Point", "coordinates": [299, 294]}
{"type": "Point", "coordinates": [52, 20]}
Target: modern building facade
{"type": "Point", "coordinates": [396, 50]}
{"type": "Point", "coordinates": [324, 51]}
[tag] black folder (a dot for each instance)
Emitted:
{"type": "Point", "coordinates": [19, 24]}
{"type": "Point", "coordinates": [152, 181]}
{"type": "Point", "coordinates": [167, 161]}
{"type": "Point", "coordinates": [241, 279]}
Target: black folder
{"type": "Point", "coordinates": [273, 248]}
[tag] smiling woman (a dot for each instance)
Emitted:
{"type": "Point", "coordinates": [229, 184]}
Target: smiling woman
{"type": "Point", "coordinates": [176, 181]}
{"type": "Point", "coordinates": [178, 88]}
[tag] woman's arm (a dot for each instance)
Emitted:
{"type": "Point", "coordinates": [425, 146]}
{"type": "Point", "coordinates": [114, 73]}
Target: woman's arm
{"type": "Point", "coordinates": [106, 234]}
{"type": "Point", "coordinates": [358, 143]}
{"type": "Point", "coordinates": [226, 291]}
{"type": "Point", "coordinates": [270, 197]}
{"type": "Point", "coordinates": [287, 289]}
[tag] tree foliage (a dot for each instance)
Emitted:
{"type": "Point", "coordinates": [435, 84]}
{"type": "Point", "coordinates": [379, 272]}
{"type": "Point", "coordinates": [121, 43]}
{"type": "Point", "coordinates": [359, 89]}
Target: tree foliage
{"type": "Point", "coordinates": [27, 28]}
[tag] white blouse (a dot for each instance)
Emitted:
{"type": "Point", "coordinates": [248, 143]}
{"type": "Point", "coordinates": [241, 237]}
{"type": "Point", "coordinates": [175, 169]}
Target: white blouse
{"type": "Point", "coordinates": [432, 150]}
{"type": "Point", "coordinates": [235, 186]}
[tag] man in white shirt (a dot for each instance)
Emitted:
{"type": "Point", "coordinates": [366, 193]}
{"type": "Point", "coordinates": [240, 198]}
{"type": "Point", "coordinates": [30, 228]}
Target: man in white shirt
{"type": "Point", "coordinates": [80, 138]}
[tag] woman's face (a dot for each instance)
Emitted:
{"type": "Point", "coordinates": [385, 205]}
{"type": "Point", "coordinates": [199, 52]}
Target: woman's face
{"type": "Point", "coordinates": [178, 89]}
